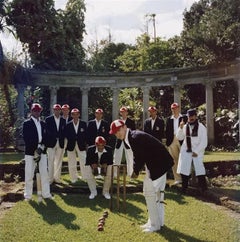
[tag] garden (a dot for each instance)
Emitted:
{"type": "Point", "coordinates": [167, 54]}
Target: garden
{"type": "Point", "coordinates": [72, 216]}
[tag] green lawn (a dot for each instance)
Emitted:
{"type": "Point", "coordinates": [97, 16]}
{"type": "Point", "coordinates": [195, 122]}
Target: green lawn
{"type": "Point", "coordinates": [11, 157]}
{"type": "Point", "coordinates": [221, 156]}
{"type": "Point", "coordinates": [209, 156]}
{"type": "Point", "coordinates": [75, 218]}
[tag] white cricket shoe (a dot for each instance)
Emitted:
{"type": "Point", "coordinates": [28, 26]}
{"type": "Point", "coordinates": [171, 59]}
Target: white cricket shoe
{"type": "Point", "coordinates": [150, 229]}
{"type": "Point", "coordinates": [107, 195]}
{"type": "Point", "coordinates": [93, 195]}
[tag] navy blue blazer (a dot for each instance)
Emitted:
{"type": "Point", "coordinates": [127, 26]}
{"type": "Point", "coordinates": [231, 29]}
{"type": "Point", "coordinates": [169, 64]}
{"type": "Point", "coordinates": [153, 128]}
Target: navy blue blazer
{"type": "Point", "coordinates": [158, 128]}
{"type": "Point", "coordinates": [72, 137]}
{"type": "Point", "coordinates": [30, 136]}
{"type": "Point", "coordinates": [131, 125]}
{"type": "Point", "coordinates": [92, 156]}
{"type": "Point", "coordinates": [93, 132]}
{"type": "Point", "coordinates": [170, 130]}
{"type": "Point", "coordinates": [53, 134]}
{"type": "Point", "coordinates": [150, 151]}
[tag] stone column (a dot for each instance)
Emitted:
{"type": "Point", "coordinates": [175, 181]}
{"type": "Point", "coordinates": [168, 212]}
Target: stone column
{"type": "Point", "coordinates": [20, 100]}
{"type": "Point", "coordinates": [115, 106]}
{"type": "Point", "coordinates": [177, 95]}
{"type": "Point", "coordinates": [84, 113]}
{"type": "Point", "coordinates": [145, 102]}
{"type": "Point", "coordinates": [53, 96]}
{"type": "Point", "coordinates": [209, 112]}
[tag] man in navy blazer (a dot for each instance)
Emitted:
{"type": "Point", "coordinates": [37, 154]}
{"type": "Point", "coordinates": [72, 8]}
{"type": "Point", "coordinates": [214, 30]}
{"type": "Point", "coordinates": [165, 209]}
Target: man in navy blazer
{"type": "Point", "coordinates": [55, 125]}
{"type": "Point", "coordinates": [76, 135]}
{"type": "Point", "coordinates": [154, 125]}
{"type": "Point", "coordinates": [151, 153]}
{"type": "Point", "coordinates": [34, 135]}
{"type": "Point", "coordinates": [97, 127]}
{"type": "Point", "coordinates": [100, 157]}
{"type": "Point", "coordinates": [172, 142]}
{"type": "Point", "coordinates": [121, 152]}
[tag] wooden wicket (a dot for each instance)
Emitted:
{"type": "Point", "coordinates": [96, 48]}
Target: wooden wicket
{"type": "Point", "coordinates": [124, 168]}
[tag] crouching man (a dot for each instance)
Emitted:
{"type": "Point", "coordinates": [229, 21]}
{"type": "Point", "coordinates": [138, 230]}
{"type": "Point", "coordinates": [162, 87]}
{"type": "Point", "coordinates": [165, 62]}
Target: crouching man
{"type": "Point", "coordinates": [150, 152]}
{"type": "Point", "coordinates": [99, 158]}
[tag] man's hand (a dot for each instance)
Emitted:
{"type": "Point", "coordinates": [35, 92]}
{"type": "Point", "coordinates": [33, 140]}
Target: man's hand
{"type": "Point", "coordinates": [181, 124]}
{"type": "Point", "coordinates": [194, 154]}
{"type": "Point", "coordinates": [39, 151]}
{"type": "Point", "coordinates": [94, 166]}
{"type": "Point", "coordinates": [134, 175]}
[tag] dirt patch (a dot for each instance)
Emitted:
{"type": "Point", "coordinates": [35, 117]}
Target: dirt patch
{"type": "Point", "coordinates": [10, 187]}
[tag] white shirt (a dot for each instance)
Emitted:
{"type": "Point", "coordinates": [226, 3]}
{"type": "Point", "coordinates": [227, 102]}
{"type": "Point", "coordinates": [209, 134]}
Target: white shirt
{"type": "Point", "coordinates": [76, 126]}
{"type": "Point", "coordinates": [100, 153]}
{"type": "Point", "coordinates": [57, 121]}
{"type": "Point", "coordinates": [98, 123]}
{"type": "Point", "coordinates": [39, 128]}
{"type": "Point", "coordinates": [175, 123]}
{"type": "Point", "coordinates": [152, 122]}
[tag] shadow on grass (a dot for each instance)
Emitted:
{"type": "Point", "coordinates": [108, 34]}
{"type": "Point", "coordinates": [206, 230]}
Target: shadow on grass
{"type": "Point", "coordinates": [53, 214]}
{"type": "Point", "coordinates": [173, 194]}
{"type": "Point", "coordinates": [176, 236]}
{"type": "Point", "coordinates": [233, 194]}
{"type": "Point", "coordinates": [100, 203]}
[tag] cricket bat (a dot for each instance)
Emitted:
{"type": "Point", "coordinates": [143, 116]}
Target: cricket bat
{"type": "Point", "coordinates": [39, 187]}
{"type": "Point", "coordinates": [37, 159]}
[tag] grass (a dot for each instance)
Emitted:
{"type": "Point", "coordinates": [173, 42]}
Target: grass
{"type": "Point", "coordinates": [75, 218]}
{"type": "Point", "coordinates": [221, 156]}
{"type": "Point", "coordinates": [13, 157]}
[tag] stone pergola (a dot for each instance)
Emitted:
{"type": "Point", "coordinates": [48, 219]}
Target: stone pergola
{"type": "Point", "coordinates": [176, 78]}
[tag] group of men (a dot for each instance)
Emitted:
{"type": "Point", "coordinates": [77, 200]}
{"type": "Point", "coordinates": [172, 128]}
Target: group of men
{"type": "Point", "coordinates": [185, 143]}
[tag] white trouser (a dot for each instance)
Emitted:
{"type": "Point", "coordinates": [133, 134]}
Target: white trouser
{"type": "Point", "coordinates": [117, 158]}
{"type": "Point", "coordinates": [153, 192]}
{"type": "Point", "coordinates": [72, 163]}
{"type": "Point", "coordinates": [174, 150]}
{"type": "Point", "coordinates": [92, 182]}
{"type": "Point", "coordinates": [30, 166]}
{"type": "Point", "coordinates": [107, 180]}
{"type": "Point", "coordinates": [55, 162]}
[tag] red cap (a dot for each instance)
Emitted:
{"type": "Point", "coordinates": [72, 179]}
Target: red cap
{"type": "Point", "coordinates": [115, 126]}
{"type": "Point", "coordinates": [99, 110]}
{"type": "Point", "coordinates": [152, 109]}
{"type": "Point", "coordinates": [65, 106]}
{"type": "Point", "coordinates": [123, 109]}
{"type": "Point", "coordinates": [57, 107]}
{"type": "Point", "coordinates": [75, 110]}
{"type": "Point", "coordinates": [36, 107]}
{"type": "Point", "coordinates": [174, 105]}
{"type": "Point", "coordinates": [100, 140]}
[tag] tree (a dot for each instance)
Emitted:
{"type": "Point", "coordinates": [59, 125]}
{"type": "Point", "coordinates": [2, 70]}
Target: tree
{"type": "Point", "coordinates": [52, 41]}
{"type": "Point", "coordinates": [103, 55]}
{"type": "Point", "coordinates": [211, 32]}
{"type": "Point", "coordinates": [148, 55]}
{"type": "Point", "coordinates": [7, 92]}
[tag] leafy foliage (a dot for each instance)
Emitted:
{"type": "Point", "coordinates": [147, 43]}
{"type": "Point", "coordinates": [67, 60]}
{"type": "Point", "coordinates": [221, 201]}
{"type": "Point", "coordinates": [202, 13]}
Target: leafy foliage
{"type": "Point", "coordinates": [103, 56]}
{"type": "Point", "coordinates": [148, 55]}
{"type": "Point", "coordinates": [37, 24]}
{"type": "Point", "coordinates": [211, 32]}
{"type": "Point", "coordinates": [7, 111]}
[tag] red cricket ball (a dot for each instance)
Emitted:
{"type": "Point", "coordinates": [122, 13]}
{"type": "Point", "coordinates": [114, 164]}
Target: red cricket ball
{"type": "Point", "coordinates": [100, 228]}
{"type": "Point", "coordinates": [102, 221]}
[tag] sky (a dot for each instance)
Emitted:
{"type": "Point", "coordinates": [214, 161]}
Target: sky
{"type": "Point", "coordinates": [124, 20]}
